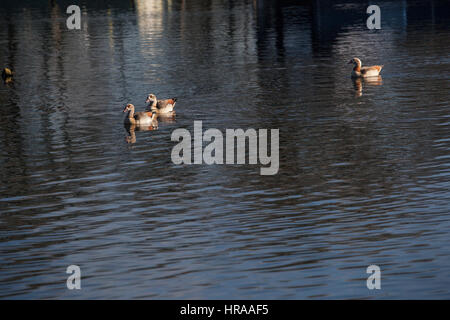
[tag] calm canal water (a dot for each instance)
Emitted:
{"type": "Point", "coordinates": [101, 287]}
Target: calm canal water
{"type": "Point", "coordinates": [364, 166]}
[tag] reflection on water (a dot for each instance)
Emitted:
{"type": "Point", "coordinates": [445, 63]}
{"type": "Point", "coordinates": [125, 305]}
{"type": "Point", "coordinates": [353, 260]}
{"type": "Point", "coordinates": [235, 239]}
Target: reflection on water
{"type": "Point", "coordinates": [363, 179]}
{"type": "Point", "coordinates": [358, 83]}
{"type": "Point", "coordinates": [131, 131]}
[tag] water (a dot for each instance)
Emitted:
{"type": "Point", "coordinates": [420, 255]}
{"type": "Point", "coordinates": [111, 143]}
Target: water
{"type": "Point", "coordinates": [364, 166]}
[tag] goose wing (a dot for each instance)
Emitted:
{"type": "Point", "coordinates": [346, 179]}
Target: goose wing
{"type": "Point", "coordinates": [141, 115]}
{"type": "Point", "coordinates": [365, 70]}
{"type": "Point", "coordinates": [164, 103]}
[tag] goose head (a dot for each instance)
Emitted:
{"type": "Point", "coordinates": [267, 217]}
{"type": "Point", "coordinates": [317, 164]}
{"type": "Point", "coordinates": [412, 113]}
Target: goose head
{"type": "Point", "coordinates": [355, 61]}
{"type": "Point", "coordinates": [128, 107]}
{"type": "Point", "coordinates": [151, 98]}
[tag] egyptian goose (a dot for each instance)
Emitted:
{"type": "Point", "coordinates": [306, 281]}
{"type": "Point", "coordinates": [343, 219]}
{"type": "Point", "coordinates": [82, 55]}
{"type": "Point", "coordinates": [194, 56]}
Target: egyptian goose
{"type": "Point", "coordinates": [144, 118]}
{"type": "Point", "coordinates": [359, 71]}
{"type": "Point", "coordinates": [161, 106]}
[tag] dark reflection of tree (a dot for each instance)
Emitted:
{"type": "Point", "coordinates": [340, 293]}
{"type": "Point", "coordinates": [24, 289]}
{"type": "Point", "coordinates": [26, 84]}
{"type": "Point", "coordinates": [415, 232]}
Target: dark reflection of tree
{"type": "Point", "coordinates": [14, 161]}
{"type": "Point", "coordinates": [119, 47]}
{"type": "Point", "coordinates": [270, 17]}
{"type": "Point", "coordinates": [199, 39]}
{"type": "Point", "coordinates": [277, 74]}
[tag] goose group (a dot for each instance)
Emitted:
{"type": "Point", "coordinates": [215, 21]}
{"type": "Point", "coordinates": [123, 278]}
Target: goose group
{"type": "Point", "coordinates": [149, 118]}
{"type": "Point", "coordinates": [167, 106]}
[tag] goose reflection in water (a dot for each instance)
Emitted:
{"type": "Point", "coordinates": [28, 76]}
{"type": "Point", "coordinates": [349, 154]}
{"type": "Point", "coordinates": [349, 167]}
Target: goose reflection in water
{"type": "Point", "coordinates": [8, 80]}
{"type": "Point", "coordinates": [131, 131]}
{"type": "Point", "coordinates": [359, 83]}
{"type": "Point", "coordinates": [167, 118]}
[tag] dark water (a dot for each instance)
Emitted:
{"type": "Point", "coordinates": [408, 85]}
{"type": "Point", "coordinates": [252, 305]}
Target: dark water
{"type": "Point", "coordinates": [364, 166]}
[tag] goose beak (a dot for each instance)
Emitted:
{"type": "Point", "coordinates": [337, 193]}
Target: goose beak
{"type": "Point", "coordinates": [350, 62]}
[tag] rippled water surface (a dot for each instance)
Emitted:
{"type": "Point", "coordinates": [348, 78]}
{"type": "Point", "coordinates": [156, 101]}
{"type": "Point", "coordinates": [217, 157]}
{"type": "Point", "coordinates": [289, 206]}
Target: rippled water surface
{"type": "Point", "coordinates": [364, 165]}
